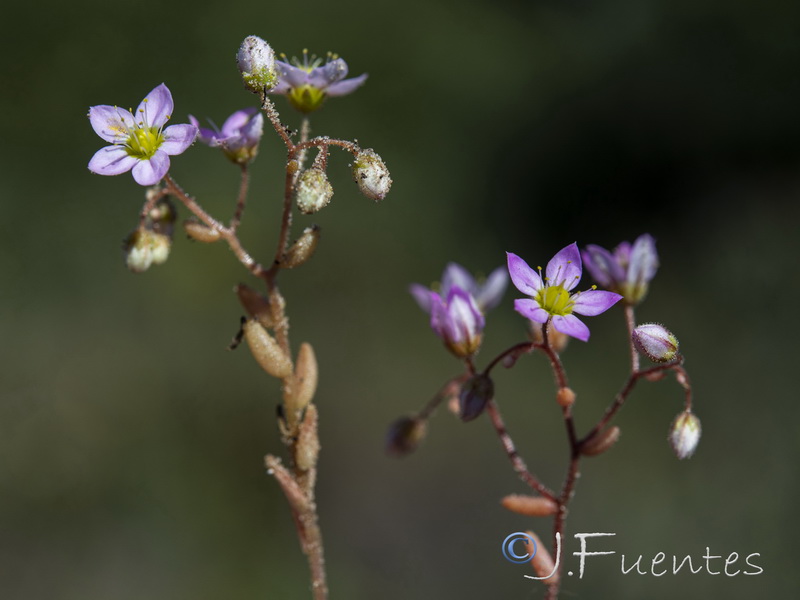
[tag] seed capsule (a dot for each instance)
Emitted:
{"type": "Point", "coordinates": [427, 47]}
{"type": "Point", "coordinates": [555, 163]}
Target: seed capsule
{"type": "Point", "coordinates": [303, 249]}
{"type": "Point", "coordinates": [266, 351]}
{"type": "Point", "coordinates": [371, 175]}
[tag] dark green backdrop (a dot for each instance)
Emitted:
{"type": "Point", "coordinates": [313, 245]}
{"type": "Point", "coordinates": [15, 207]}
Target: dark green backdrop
{"type": "Point", "coordinates": [131, 440]}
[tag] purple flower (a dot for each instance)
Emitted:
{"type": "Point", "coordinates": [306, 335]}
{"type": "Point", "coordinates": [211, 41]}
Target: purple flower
{"type": "Point", "coordinates": [628, 270]}
{"type": "Point", "coordinates": [140, 143]}
{"type": "Point", "coordinates": [239, 136]}
{"type": "Point", "coordinates": [457, 320]}
{"type": "Point", "coordinates": [306, 84]}
{"type": "Point", "coordinates": [550, 296]}
{"type": "Point", "coordinates": [487, 295]}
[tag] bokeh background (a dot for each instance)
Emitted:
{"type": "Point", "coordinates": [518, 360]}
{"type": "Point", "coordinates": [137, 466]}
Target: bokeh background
{"type": "Point", "coordinates": [131, 440]}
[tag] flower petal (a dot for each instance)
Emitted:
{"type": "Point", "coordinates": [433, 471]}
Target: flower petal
{"type": "Point", "coordinates": [525, 279]}
{"type": "Point", "coordinates": [150, 172]}
{"type": "Point", "coordinates": [206, 135]}
{"type": "Point", "coordinates": [572, 326]}
{"type": "Point", "coordinates": [422, 295]}
{"type": "Point", "coordinates": [327, 74]}
{"type": "Point", "coordinates": [290, 77]}
{"type": "Point", "coordinates": [156, 108]}
{"type": "Point", "coordinates": [643, 261]}
{"type": "Point", "coordinates": [342, 88]}
{"type": "Point", "coordinates": [236, 121]}
{"type": "Point", "coordinates": [594, 302]}
{"type": "Point", "coordinates": [456, 275]}
{"type": "Point", "coordinates": [177, 138]}
{"type": "Point", "coordinates": [565, 267]}
{"type": "Point", "coordinates": [464, 321]}
{"type": "Point", "coordinates": [111, 123]}
{"type": "Point", "coordinates": [491, 292]}
{"type": "Point", "coordinates": [530, 309]}
{"type": "Point", "coordinates": [602, 266]}
{"type": "Point", "coordinates": [111, 160]}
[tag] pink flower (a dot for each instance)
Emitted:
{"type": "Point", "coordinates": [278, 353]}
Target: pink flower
{"type": "Point", "coordinates": [139, 143]}
{"type": "Point", "coordinates": [550, 297]}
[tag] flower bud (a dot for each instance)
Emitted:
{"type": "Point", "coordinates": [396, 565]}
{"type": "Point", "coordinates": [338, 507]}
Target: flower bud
{"type": "Point", "coordinates": [655, 341]}
{"type": "Point", "coordinates": [530, 506]}
{"type": "Point", "coordinates": [371, 175]}
{"type": "Point", "coordinates": [256, 61]}
{"type": "Point", "coordinates": [303, 248]}
{"type": "Point", "coordinates": [565, 397]}
{"type": "Point", "coordinates": [143, 248]}
{"type": "Point", "coordinates": [266, 350]}
{"type": "Point", "coordinates": [200, 232]}
{"type": "Point", "coordinates": [404, 436]}
{"type": "Point", "coordinates": [475, 395]}
{"type": "Point", "coordinates": [601, 441]}
{"type": "Point", "coordinates": [684, 434]}
{"type": "Point", "coordinates": [313, 191]}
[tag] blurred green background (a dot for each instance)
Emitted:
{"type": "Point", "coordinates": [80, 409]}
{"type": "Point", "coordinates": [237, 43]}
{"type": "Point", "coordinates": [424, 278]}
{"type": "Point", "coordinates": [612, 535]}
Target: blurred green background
{"type": "Point", "coordinates": [131, 440]}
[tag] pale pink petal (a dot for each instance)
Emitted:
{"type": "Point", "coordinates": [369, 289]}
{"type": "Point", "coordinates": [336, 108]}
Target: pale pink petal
{"type": "Point", "coordinates": [456, 275]}
{"type": "Point", "coordinates": [572, 326]}
{"type": "Point", "coordinates": [602, 266]}
{"type": "Point", "coordinates": [236, 121]}
{"type": "Point", "coordinates": [491, 292]}
{"type": "Point", "coordinates": [177, 138]}
{"type": "Point", "coordinates": [341, 88]}
{"type": "Point", "coordinates": [594, 302]}
{"type": "Point", "coordinates": [422, 295]}
{"type": "Point", "coordinates": [643, 260]}
{"type": "Point", "coordinates": [524, 278]}
{"type": "Point", "coordinates": [156, 108]}
{"type": "Point", "coordinates": [565, 267]}
{"type": "Point", "coordinates": [289, 77]}
{"type": "Point", "coordinates": [111, 160]}
{"type": "Point", "coordinates": [530, 309]}
{"type": "Point", "coordinates": [150, 172]}
{"type": "Point", "coordinates": [330, 73]}
{"type": "Point", "coordinates": [111, 123]}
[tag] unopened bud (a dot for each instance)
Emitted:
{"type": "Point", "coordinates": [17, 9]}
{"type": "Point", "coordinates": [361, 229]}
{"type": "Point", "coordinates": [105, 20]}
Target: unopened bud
{"type": "Point", "coordinates": [307, 448]}
{"type": "Point", "coordinates": [143, 248]}
{"type": "Point", "coordinates": [475, 394]}
{"type": "Point", "coordinates": [404, 436]}
{"type": "Point", "coordinates": [565, 397]}
{"type": "Point", "coordinates": [303, 249]}
{"type": "Point", "coordinates": [256, 61]}
{"type": "Point", "coordinates": [161, 218]}
{"type": "Point", "coordinates": [200, 232]}
{"type": "Point", "coordinates": [530, 506]}
{"type": "Point", "coordinates": [655, 341]}
{"type": "Point", "coordinates": [256, 305]}
{"type": "Point", "coordinates": [371, 175]}
{"type": "Point", "coordinates": [601, 441]}
{"type": "Point", "coordinates": [266, 351]}
{"type": "Point", "coordinates": [313, 191]}
{"type": "Point", "coordinates": [684, 434]}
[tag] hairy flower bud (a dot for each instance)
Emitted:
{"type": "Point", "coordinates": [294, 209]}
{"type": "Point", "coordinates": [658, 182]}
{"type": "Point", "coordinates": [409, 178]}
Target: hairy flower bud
{"type": "Point", "coordinates": [530, 506]}
{"type": "Point", "coordinates": [475, 395]}
{"type": "Point", "coordinates": [601, 441]}
{"type": "Point", "coordinates": [404, 436]}
{"type": "Point", "coordinates": [256, 61]}
{"type": "Point", "coordinates": [143, 248]}
{"type": "Point", "coordinates": [313, 191]}
{"type": "Point", "coordinates": [684, 434]}
{"type": "Point", "coordinates": [302, 249]}
{"type": "Point", "coordinates": [655, 341]}
{"type": "Point", "coordinates": [266, 350]}
{"type": "Point", "coordinates": [371, 175]}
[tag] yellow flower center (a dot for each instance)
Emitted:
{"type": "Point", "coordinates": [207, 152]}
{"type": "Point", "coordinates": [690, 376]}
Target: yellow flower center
{"type": "Point", "coordinates": [143, 141]}
{"type": "Point", "coordinates": [555, 300]}
{"type": "Point", "coordinates": [306, 98]}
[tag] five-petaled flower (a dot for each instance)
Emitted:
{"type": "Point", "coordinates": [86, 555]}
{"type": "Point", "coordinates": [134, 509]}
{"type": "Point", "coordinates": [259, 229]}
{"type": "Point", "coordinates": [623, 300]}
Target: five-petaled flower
{"type": "Point", "coordinates": [487, 295]}
{"type": "Point", "coordinates": [628, 270]}
{"type": "Point", "coordinates": [238, 137]}
{"type": "Point", "coordinates": [139, 141]}
{"type": "Point", "coordinates": [306, 84]}
{"type": "Point", "coordinates": [550, 295]}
